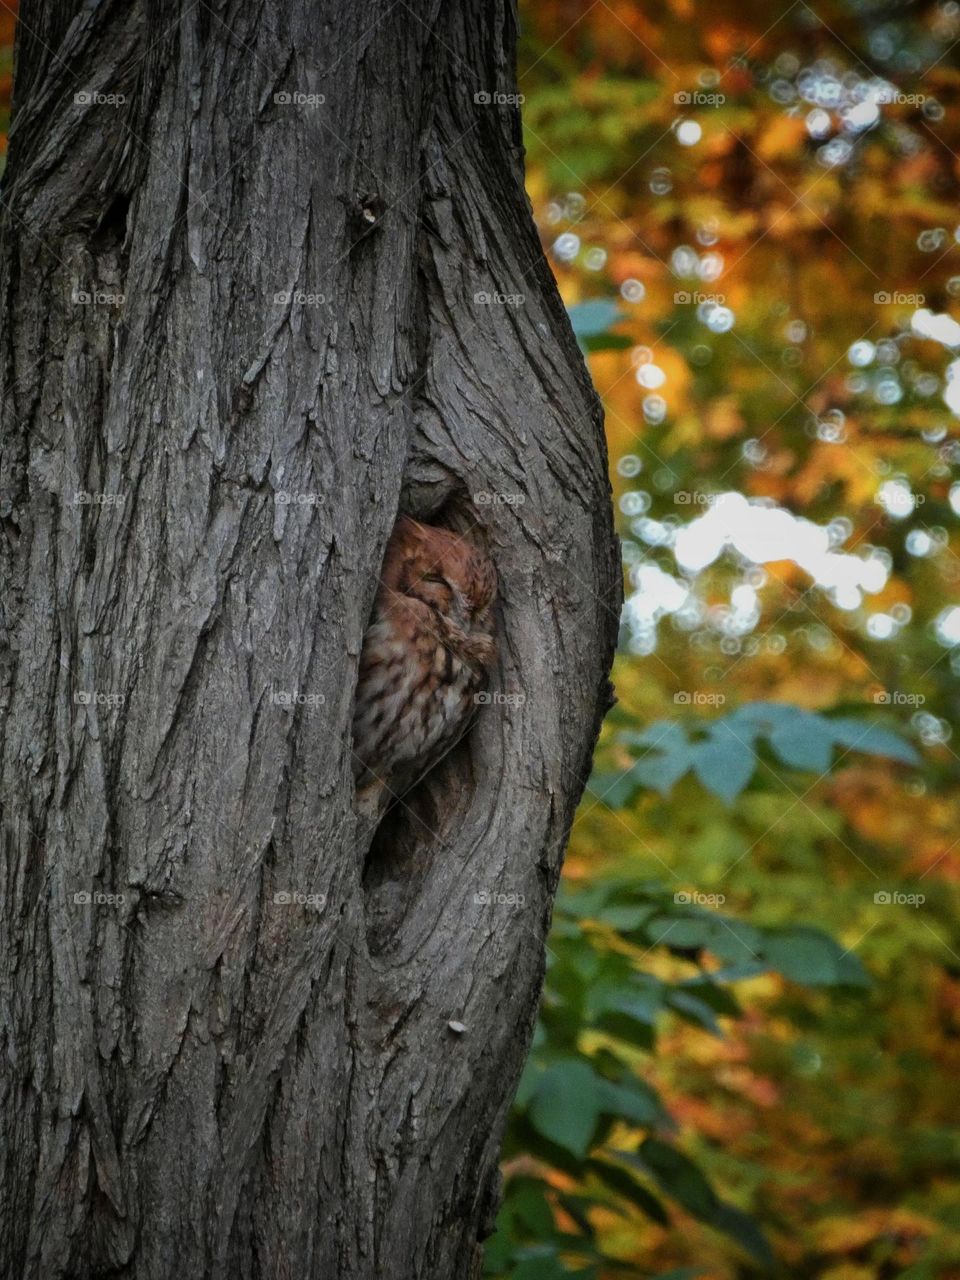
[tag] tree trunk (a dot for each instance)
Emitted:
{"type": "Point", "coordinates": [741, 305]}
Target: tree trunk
{"type": "Point", "coordinates": [242, 251]}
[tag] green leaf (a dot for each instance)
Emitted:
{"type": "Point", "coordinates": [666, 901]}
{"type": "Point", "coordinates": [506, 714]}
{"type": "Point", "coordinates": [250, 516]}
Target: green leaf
{"type": "Point", "coordinates": [804, 741]}
{"type": "Point", "coordinates": [643, 1005]}
{"type": "Point", "coordinates": [607, 342]}
{"type": "Point", "coordinates": [498, 1250]}
{"type": "Point", "coordinates": [806, 955]}
{"type": "Point", "coordinates": [735, 973]}
{"type": "Point", "coordinates": [667, 758]}
{"type": "Point", "coordinates": [803, 955]}
{"type": "Point", "coordinates": [585, 900]}
{"type": "Point", "coordinates": [725, 762]}
{"type": "Point", "coordinates": [682, 1179]}
{"type": "Point", "coordinates": [529, 1081]}
{"type": "Point", "coordinates": [547, 1267]}
{"type": "Point", "coordinates": [716, 997]}
{"type": "Point", "coordinates": [684, 934]}
{"type": "Point", "coordinates": [741, 1227]}
{"type": "Point", "coordinates": [874, 739]}
{"type": "Point", "coordinates": [626, 1185]}
{"type": "Point", "coordinates": [735, 941]}
{"type": "Point", "coordinates": [625, 918]}
{"type": "Point", "coordinates": [679, 1177]}
{"type": "Point", "coordinates": [765, 717]}
{"type": "Point", "coordinates": [631, 1101]}
{"type": "Point", "coordinates": [725, 759]}
{"type": "Point", "coordinates": [578, 1207]}
{"type": "Point", "coordinates": [695, 1011]}
{"type": "Point", "coordinates": [662, 772]}
{"type": "Point", "coordinates": [566, 1105]}
{"type": "Point", "coordinates": [531, 1208]}
{"type": "Point", "coordinates": [728, 938]}
{"type": "Point", "coordinates": [613, 789]}
{"type": "Point", "coordinates": [592, 318]}
{"type": "Point", "coordinates": [665, 735]}
{"type": "Point", "coordinates": [852, 972]}
{"type": "Point", "coordinates": [629, 1030]}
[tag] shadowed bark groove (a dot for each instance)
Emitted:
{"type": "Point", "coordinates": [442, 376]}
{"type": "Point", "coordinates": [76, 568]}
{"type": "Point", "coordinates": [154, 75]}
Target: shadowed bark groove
{"type": "Point", "coordinates": [241, 252]}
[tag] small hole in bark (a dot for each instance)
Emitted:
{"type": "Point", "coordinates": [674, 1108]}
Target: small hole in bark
{"type": "Point", "coordinates": [364, 214]}
{"type": "Point", "coordinates": [111, 230]}
{"type": "Point", "coordinates": [12, 529]}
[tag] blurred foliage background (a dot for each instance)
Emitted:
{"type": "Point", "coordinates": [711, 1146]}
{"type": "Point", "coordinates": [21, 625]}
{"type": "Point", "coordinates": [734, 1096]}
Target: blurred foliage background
{"type": "Point", "coordinates": [749, 1041]}
{"type": "Point", "coordinates": [747, 1057]}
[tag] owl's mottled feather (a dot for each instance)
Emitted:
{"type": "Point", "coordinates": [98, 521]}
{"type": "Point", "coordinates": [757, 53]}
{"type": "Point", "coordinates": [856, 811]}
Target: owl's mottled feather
{"type": "Point", "coordinates": [425, 656]}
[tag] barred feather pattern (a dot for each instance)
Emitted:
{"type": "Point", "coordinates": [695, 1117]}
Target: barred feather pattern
{"type": "Point", "coordinates": [425, 656]}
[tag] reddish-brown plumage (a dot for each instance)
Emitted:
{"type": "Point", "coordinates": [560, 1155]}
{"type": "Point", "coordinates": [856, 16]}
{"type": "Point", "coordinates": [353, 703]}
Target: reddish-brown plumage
{"type": "Point", "coordinates": [425, 655]}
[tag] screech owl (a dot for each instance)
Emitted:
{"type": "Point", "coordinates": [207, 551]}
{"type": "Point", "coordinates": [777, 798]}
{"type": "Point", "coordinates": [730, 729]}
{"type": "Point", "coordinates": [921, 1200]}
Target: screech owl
{"type": "Point", "coordinates": [424, 658]}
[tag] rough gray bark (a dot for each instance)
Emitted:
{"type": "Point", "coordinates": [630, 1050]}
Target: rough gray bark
{"type": "Point", "coordinates": [199, 1077]}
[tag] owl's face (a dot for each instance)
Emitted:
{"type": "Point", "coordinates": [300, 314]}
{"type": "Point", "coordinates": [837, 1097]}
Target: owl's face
{"type": "Point", "coordinates": [442, 570]}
